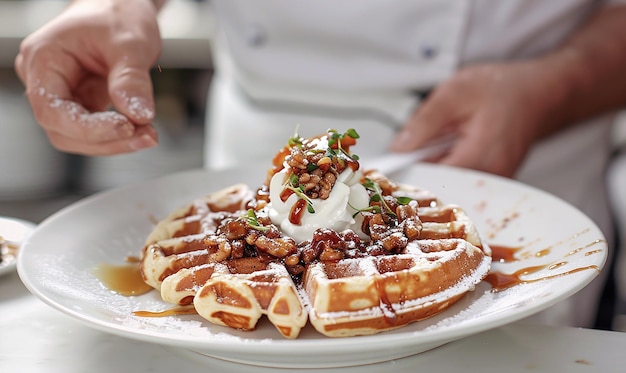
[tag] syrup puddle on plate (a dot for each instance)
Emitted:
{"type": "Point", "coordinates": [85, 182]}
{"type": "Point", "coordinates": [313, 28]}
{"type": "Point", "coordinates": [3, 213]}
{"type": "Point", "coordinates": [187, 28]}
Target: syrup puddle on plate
{"type": "Point", "coordinates": [123, 279]}
{"type": "Point", "coordinates": [126, 280]}
{"type": "Point", "coordinates": [506, 254]}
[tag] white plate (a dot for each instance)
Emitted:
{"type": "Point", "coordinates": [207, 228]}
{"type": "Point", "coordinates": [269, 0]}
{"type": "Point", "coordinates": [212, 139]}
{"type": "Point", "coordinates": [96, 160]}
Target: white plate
{"type": "Point", "coordinates": [14, 231]}
{"type": "Point", "coordinates": [56, 265]}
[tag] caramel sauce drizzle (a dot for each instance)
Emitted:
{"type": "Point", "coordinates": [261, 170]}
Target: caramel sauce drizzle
{"type": "Point", "coordinates": [506, 254]}
{"type": "Point", "coordinates": [176, 311]}
{"type": "Point", "coordinates": [296, 212]}
{"type": "Point", "coordinates": [500, 281]}
{"type": "Point", "coordinates": [285, 194]}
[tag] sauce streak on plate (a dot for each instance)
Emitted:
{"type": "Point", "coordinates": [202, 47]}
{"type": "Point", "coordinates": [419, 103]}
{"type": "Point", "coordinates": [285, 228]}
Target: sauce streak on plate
{"type": "Point", "coordinates": [507, 254]}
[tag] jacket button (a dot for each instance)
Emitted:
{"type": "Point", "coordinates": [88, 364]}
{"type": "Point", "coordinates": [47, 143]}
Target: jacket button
{"type": "Point", "coordinates": [428, 51]}
{"type": "Point", "coordinates": [255, 35]}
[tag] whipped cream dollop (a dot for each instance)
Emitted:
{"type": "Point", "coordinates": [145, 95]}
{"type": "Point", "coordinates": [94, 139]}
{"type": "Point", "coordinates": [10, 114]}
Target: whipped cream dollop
{"type": "Point", "coordinates": [338, 212]}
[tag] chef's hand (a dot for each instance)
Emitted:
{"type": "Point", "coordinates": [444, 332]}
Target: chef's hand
{"type": "Point", "coordinates": [95, 54]}
{"type": "Point", "coordinates": [496, 112]}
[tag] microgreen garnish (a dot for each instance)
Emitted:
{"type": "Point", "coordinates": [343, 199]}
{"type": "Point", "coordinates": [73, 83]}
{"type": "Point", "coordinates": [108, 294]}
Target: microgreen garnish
{"type": "Point", "coordinates": [296, 139]}
{"type": "Point", "coordinates": [377, 196]}
{"type": "Point", "coordinates": [293, 184]}
{"type": "Point", "coordinates": [294, 180]}
{"type": "Point", "coordinates": [375, 209]}
{"type": "Point", "coordinates": [299, 191]}
{"type": "Point", "coordinates": [253, 222]}
{"type": "Point", "coordinates": [404, 200]}
{"type": "Point", "coordinates": [335, 139]}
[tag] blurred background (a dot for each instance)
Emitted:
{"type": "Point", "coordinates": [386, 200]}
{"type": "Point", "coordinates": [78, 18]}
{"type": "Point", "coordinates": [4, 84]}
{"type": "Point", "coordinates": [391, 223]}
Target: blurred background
{"type": "Point", "coordinates": [36, 180]}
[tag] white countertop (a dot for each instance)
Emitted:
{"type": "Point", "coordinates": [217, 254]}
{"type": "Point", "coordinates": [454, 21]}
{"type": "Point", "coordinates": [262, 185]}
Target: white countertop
{"type": "Point", "coordinates": [186, 28]}
{"type": "Point", "coordinates": [37, 338]}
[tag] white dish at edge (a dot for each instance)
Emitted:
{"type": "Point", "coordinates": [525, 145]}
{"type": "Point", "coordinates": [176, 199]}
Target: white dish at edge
{"type": "Point", "coordinates": [57, 260]}
{"type": "Point", "coordinates": [14, 231]}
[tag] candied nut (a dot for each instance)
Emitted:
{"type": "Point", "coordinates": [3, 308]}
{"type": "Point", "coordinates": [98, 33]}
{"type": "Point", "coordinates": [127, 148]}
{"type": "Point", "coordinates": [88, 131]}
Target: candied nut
{"type": "Point", "coordinates": [297, 159]}
{"type": "Point", "coordinates": [223, 251]}
{"type": "Point", "coordinates": [310, 253]}
{"type": "Point", "coordinates": [238, 248]}
{"type": "Point", "coordinates": [304, 178]}
{"type": "Point", "coordinates": [252, 237]}
{"type": "Point", "coordinates": [330, 254]}
{"type": "Point", "coordinates": [350, 238]}
{"type": "Point", "coordinates": [404, 212]}
{"type": "Point", "coordinates": [279, 247]}
{"type": "Point", "coordinates": [365, 225]}
{"type": "Point", "coordinates": [394, 242]}
{"type": "Point", "coordinates": [323, 161]}
{"type": "Point", "coordinates": [412, 228]}
{"type": "Point", "coordinates": [264, 220]}
{"type": "Point", "coordinates": [292, 260]}
{"type": "Point", "coordinates": [235, 229]}
{"type": "Point", "coordinates": [326, 184]}
{"type": "Point", "coordinates": [272, 232]}
{"type": "Point", "coordinates": [296, 269]}
{"type": "Point", "coordinates": [376, 249]}
{"type": "Point", "coordinates": [377, 227]}
{"type": "Point", "coordinates": [391, 202]}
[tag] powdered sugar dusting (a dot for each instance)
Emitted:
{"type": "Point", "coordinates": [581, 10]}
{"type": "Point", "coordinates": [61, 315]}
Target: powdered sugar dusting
{"type": "Point", "coordinates": [368, 266]}
{"type": "Point", "coordinates": [90, 120]}
{"type": "Point", "coordinates": [137, 106]}
{"type": "Point", "coordinates": [138, 109]}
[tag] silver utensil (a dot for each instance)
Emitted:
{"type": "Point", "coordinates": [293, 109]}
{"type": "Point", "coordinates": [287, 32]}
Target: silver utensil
{"type": "Point", "coordinates": [393, 162]}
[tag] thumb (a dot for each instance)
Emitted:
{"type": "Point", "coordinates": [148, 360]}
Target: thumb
{"type": "Point", "coordinates": [130, 90]}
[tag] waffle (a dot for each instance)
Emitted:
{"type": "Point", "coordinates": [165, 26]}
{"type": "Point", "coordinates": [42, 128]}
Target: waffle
{"type": "Point", "coordinates": [412, 258]}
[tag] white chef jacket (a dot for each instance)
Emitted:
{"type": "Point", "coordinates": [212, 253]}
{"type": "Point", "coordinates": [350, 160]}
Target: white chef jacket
{"type": "Point", "coordinates": [283, 65]}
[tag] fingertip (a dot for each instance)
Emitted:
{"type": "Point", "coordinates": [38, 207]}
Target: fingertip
{"type": "Point", "coordinates": [145, 137]}
{"type": "Point", "coordinates": [137, 107]}
{"type": "Point", "coordinates": [140, 109]}
{"type": "Point", "coordinates": [143, 141]}
{"type": "Point", "coordinates": [130, 89]}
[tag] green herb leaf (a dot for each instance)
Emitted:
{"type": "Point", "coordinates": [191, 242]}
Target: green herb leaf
{"type": "Point", "coordinates": [299, 191]}
{"type": "Point", "coordinates": [253, 222]}
{"type": "Point", "coordinates": [377, 195]}
{"type": "Point", "coordinates": [352, 133]}
{"type": "Point", "coordinates": [294, 180]}
{"type": "Point", "coordinates": [404, 200]}
{"type": "Point", "coordinates": [295, 140]}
